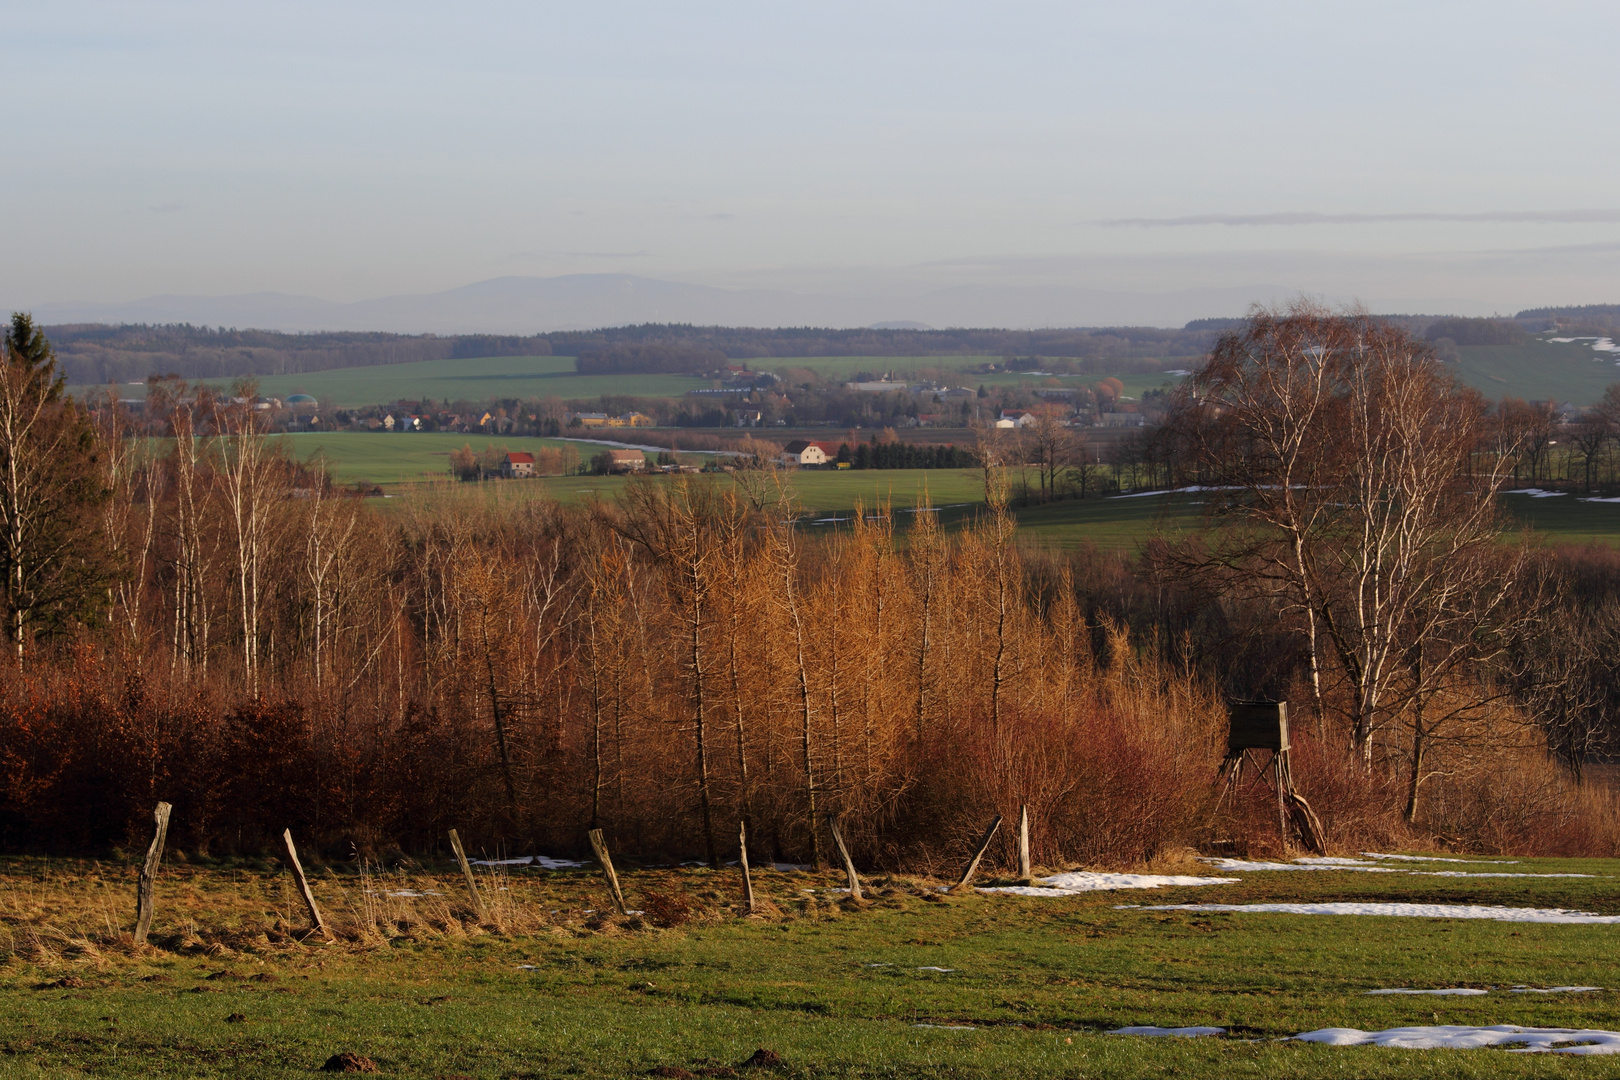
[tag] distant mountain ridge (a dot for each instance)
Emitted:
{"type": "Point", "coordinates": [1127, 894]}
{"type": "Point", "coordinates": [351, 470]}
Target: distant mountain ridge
{"type": "Point", "coordinates": [531, 305]}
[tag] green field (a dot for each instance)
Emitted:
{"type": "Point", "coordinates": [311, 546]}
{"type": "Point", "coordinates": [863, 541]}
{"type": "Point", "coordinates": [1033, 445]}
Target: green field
{"type": "Point", "coordinates": [489, 378]}
{"type": "Point", "coordinates": [909, 984]}
{"type": "Point", "coordinates": [403, 458]}
{"type": "Point", "coordinates": [1539, 371]}
{"type": "Point", "coordinates": [400, 461]}
{"type": "Point", "coordinates": [481, 379]}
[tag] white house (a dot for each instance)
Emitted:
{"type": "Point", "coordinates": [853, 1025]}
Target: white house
{"type": "Point", "coordinates": [801, 452]}
{"type": "Point", "coordinates": [1015, 418]}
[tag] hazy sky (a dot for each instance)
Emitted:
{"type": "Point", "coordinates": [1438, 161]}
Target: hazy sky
{"type": "Point", "coordinates": [1401, 152]}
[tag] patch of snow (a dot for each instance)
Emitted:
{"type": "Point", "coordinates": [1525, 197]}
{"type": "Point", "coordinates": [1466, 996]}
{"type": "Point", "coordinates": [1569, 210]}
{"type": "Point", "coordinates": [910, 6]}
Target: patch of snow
{"type": "Point", "coordinates": [1598, 499]}
{"type": "Point", "coordinates": [543, 862]}
{"type": "Point", "coordinates": [940, 969]}
{"type": "Point", "coordinates": [1180, 1033]}
{"type": "Point", "coordinates": [528, 967]}
{"type": "Point", "coordinates": [1193, 489]}
{"type": "Point", "coordinates": [1418, 911]}
{"type": "Point", "coordinates": [1341, 864]}
{"type": "Point", "coordinates": [1486, 873]}
{"type": "Point", "coordinates": [877, 965]}
{"type": "Point", "coordinates": [1450, 991]}
{"type": "Point", "coordinates": [1536, 493]}
{"type": "Point", "coordinates": [1083, 881]}
{"type": "Point", "coordinates": [1439, 858]}
{"type": "Point", "coordinates": [1453, 1037]}
{"type": "Point", "coordinates": [1554, 989]}
{"type": "Point", "coordinates": [948, 1027]}
{"type": "Point", "coordinates": [412, 893]}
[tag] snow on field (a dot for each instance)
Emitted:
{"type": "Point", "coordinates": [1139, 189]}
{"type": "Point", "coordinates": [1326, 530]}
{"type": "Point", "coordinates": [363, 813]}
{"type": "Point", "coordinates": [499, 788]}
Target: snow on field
{"type": "Point", "coordinates": [1450, 991]}
{"type": "Point", "coordinates": [1302, 864]}
{"type": "Point", "coordinates": [1194, 489]}
{"type": "Point", "coordinates": [1418, 911]}
{"type": "Point", "coordinates": [1334, 863]}
{"type": "Point", "coordinates": [1454, 1037]}
{"type": "Point", "coordinates": [1082, 881]}
{"type": "Point", "coordinates": [1554, 989]}
{"type": "Point", "coordinates": [1182, 1033]}
{"type": "Point", "coordinates": [1440, 858]}
{"type": "Point", "coordinates": [542, 862]}
{"type": "Point", "coordinates": [1535, 493]}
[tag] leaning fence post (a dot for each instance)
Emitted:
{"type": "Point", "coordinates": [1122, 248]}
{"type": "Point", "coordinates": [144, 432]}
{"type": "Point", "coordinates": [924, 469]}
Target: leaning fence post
{"type": "Point", "coordinates": [973, 867]}
{"type": "Point", "coordinates": [849, 864]}
{"type": "Point", "coordinates": [472, 882]}
{"type": "Point", "coordinates": [154, 857]}
{"type": "Point", "coordinates": [748, 882]}
{"type": "Point", "coordinates": [599, 846]}
{"type": "Point", "coordinates": [303, 886]}
{"type": "Point", "coordinates": [1026, 873]}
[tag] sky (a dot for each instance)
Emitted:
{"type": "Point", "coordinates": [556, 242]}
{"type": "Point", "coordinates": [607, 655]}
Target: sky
{"type": "Point", "coordinates": [1413, 156]}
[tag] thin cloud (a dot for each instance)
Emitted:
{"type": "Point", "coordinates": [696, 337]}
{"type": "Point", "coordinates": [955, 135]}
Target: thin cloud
{"type": "Point", "coordinates": [1552, 217]}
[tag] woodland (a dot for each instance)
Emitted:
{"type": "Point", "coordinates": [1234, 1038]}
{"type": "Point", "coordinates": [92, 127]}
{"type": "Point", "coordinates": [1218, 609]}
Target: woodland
{"type": "Point", "coordinates": [204, 621]}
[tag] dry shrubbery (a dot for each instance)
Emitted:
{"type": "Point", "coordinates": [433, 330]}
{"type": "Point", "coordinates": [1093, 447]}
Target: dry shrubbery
{"type": "Point", "coordinates": [659, 669]}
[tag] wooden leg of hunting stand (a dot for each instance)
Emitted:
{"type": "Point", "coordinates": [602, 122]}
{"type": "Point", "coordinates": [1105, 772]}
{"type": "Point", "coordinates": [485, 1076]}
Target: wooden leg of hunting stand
{"type": "Point", "coordinates": [318, 923]}
{"type": "Point", "coordinates": [849, 864]}
{"type": "Point", "coordinates": [599, 846]}
{"type": "Point", "coordinates": [748, 882]}
{"type": "Point", "coordinates": [973, 866]}
{"type": "Point", "coordinates": [144, 898]}
{"type": "Point", "coordinates": [466, 872]}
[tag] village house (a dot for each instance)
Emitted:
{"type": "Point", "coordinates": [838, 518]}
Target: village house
{"type": "Point", "coordinates": [516, 464]}
{"type": "Point", "coordinates": [1015, 418]}
{"type": "Point", "coordinates": [802, 452]}
{"type": "Point", "coordinates": [591, 419]}
{"type": "Point", "coordinates": [627, 460]}
{"type": "Point", "coordinates": [749, 417]}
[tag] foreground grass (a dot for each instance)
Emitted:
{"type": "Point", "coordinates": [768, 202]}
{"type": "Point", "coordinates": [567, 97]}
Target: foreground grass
{"type": "Point", "coordinates": [835, 989]}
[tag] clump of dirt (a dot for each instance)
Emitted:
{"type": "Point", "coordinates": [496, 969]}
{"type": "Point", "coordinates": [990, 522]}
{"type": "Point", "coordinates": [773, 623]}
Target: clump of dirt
{"type": "Point", "coordinates": [66, 982]}
{"type": "Point", "coordinates": [349, 1063]}
{"type": "Point", "coordinates": [235, 1018]}
{"type": "Point", "coordinates": [763, 1059]}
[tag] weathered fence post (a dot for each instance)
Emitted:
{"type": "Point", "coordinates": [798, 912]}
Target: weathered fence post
{"type": "Point", "coordinates": [599, 846]}
{"type": "Point", "coordinates": [748, 882]}
{"type": "Point", "coordinates": [315, 919]}
{"type": "Point", "coordinates": [1026, 873]}
{"type": "Point", "coordinates": [154, 857]}
{"type": "Point", "coordinates": [472, 882]}
{"type": "Point", "coordinates": [849, 864]}
{"type": "Point", "coordinates": [973, 866]}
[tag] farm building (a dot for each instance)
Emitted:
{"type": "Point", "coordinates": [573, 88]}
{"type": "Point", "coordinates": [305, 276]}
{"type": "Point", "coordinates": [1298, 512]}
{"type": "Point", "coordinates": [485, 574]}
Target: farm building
{"type": "Point", "coordinates": [1015, 418]}
{"type": "Point", "coordinates": [802, 452]}
{"type": "Point", "coordinates": [628, 460]}
{"type": "Point", "coordinates": [517, 463]}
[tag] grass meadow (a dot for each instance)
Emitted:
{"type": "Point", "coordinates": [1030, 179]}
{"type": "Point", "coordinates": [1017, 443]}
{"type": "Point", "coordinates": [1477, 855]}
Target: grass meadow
{"type": "Point", "coordinates": [493, 377]}
{"type": "Point", "coordinates": [908, 984]}
{"type": "Point", "coordinates": [1539, 371]}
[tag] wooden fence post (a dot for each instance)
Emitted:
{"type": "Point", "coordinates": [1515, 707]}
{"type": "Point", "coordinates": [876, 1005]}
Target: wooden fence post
{"type": "Point", "coordinates": [144, 887]}
{"type": "Point", "coordinates": [849, 864]}
{"type": "Point", "coordinates": [973, 867]}
{"type": "Point", "coordinates": [472, 882]}
{"type": "Point", "coordinates": [1026, 873]}
{"type": "Point", "coordinates": [748, 882]}
{"type": "Point", "coordinates": [315, 919]}
{"type": "Point", "coordinates": [599, 846]}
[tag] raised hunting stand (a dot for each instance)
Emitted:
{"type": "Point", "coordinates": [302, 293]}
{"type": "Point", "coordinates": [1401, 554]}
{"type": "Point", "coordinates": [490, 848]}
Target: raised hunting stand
{"type": "Point", "coordinates": [1263, 725]}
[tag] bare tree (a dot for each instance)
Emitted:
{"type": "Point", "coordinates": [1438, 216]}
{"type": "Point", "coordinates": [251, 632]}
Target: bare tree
{"type": "Point", "coordinates": [49, 492]}
{"type": "Point", "coordinates": [1356, 492]}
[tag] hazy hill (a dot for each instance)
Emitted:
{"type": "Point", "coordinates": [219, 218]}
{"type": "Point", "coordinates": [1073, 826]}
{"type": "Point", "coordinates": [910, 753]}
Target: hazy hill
{"type": "Point", "coordinates": [529, 305]}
